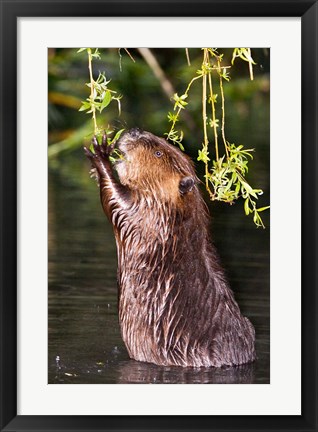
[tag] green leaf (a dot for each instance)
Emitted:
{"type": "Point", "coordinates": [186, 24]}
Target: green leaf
{"type": "Point", "coordinates": [242, 53]}
{"type": "Point", "coordinates": [245, 55]}
{"type": "Point", "coordinates": [172, 117]}
{"type": "Point", "coordinates": [263, 208]}
{"type": "Point", "coordinates": [85, 106]}
{"type": "Point", "coordinates": [213, 98]}
{"type": "Point", "coordinates": [246, 207]}
{"type": "Point", "coordinates": [257, 220]}
{"type": "Point", "coordinates": [118, 103]}
{"type": "Point", "coordinates": [203, 156]}
{"type": "Point", "coordinates": [106, 101]}
{"type": "Point", "coordinates": [179, 101]}
{"type": "Point", "coordinates": [96, 54]}
{"type": "Point", "coordinates": [214, 123]}
{"type": "Point", "coordinates": [116, 137]}
{"type": "Point", "coordinates": [249, 190]}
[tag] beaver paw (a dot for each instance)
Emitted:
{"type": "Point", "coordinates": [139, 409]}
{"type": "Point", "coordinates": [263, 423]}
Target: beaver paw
{"type": "Point", "coordinates": [100, 157]}
{"type": "Point", "coordinates": [103, 150]}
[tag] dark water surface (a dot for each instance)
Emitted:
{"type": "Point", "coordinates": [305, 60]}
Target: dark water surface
{"type": "Point", "coordinates": [84, 344]}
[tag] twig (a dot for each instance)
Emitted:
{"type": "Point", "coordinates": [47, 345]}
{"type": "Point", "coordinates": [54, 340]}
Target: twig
{"type": "Point", "coordinates": [166, 85]}
{"type": "Point", "coordinates": [214, 118]}
{"type": "Point", "coordinates": [204, 118]}
{"type": "Point", "coordinates": [89, 53]}
{"type": "Point", "coordinates": [223, 109]}
{"type": "Point", "coordinates": [250, 65]}
{"type": "Point", "coordinates": [131, 57]}
{"type": "Point", "coordinates": [188, 57]}
{"type": "Point", "coordinates": [158, 71]}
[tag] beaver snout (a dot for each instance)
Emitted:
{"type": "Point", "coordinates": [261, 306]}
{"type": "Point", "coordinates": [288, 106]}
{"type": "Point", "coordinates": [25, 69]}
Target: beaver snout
{"type": "Point", "coordinates": [131, 135]}
{"type": "Point", "coordinates": [128, 139]}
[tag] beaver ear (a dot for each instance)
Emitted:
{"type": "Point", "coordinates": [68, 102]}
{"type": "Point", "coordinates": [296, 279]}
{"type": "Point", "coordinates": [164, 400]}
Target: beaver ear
{"type": "Point", "coordinates": [186, 185]}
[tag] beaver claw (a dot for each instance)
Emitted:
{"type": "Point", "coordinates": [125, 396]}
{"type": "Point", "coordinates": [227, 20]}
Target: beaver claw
{"type": "Point", "coordinates": [102, 150]}
{"type": "Point", "coordinates": [100, 157]}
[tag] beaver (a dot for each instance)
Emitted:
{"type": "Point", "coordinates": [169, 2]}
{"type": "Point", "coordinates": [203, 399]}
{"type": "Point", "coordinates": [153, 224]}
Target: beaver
{"type": "Point", "coordinates": [175, 304]}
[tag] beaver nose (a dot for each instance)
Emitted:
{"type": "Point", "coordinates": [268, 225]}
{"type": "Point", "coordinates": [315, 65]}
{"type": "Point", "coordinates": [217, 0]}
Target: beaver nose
{"type": "Point", "coordinates": [135, 132]}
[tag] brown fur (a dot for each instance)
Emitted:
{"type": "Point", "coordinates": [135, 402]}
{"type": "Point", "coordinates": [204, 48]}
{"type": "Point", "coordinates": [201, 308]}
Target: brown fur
{"type": "Point", "coordinates": [175, 305]}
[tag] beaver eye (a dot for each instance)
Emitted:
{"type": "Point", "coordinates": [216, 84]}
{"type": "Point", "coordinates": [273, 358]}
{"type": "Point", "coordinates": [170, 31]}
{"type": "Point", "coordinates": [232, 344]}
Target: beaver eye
{"type": "Point", "coordinates": [158, 153]}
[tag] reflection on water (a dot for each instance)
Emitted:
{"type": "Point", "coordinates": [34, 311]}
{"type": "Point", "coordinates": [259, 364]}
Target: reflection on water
{"type": "Point", "coordinates": [133, 372]}
{"type": "Point", "coordinates": [84, 338]}
{"type": "Point", "coordinates": [136, 372]}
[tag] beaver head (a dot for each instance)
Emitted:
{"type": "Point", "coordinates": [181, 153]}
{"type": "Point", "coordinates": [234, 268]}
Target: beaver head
{"type": "Point", "coordinates": [150, 164]}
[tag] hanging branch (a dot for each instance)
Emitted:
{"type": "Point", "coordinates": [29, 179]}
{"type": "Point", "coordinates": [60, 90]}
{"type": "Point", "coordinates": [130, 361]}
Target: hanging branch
{"type": "Point", "coordinates": [225, 175]}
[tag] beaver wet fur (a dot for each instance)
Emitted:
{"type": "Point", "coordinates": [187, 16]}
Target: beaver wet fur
{"type": "Point", "coordinates": [175, 304]}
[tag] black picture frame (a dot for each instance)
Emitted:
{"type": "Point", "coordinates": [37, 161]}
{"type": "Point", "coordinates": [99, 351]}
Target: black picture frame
{"type": "Point", "coordinates": [10, 11]}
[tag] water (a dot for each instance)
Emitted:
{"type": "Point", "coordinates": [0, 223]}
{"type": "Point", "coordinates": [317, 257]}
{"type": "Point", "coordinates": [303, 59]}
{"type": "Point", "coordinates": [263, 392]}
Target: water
{"type": "Point", "coordinates": [84, 338]}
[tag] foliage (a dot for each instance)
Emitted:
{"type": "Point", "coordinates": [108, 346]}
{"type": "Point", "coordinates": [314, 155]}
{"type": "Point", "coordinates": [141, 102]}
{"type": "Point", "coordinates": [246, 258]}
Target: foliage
{"type": "Point", "coordinates": [225, 176]}
{"type": "Point", "coordinates": [203, 102]}
{"type": "Point", "coordinates": [100, 97]}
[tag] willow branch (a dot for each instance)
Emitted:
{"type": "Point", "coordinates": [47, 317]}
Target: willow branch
{"type": "Point", "coordinates": [158, 71]}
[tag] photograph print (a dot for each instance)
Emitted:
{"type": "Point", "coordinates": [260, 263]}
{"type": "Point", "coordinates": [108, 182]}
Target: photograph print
{"type": "Point", "coordinates": [159, 215]}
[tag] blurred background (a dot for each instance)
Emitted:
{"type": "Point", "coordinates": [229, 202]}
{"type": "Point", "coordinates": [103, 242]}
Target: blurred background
{"type": "Point", "coordinates": [84, 344]}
